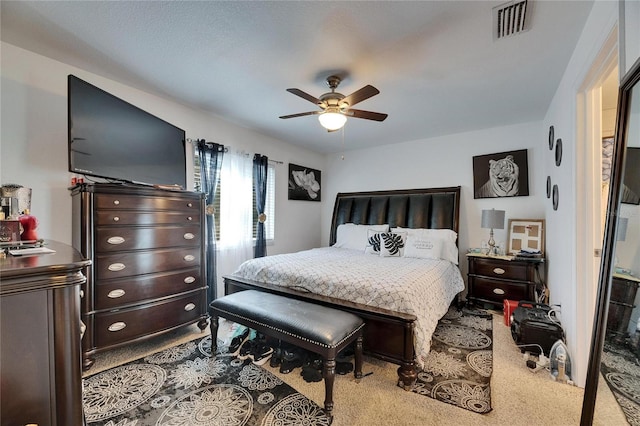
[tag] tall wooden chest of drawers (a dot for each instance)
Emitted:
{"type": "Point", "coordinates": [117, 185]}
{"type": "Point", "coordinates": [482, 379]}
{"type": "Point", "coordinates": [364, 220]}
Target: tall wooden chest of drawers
{"type": "Point", "coordinates": [621, 303]}
{"type": "Point", "coordinates": [148, 270]}
{"type": "Point", "coordinates": [494, 279]}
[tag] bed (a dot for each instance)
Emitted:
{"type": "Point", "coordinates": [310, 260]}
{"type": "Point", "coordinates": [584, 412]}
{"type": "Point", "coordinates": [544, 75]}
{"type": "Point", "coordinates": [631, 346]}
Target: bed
{"type": "Point", "coordinates": [392, 329]}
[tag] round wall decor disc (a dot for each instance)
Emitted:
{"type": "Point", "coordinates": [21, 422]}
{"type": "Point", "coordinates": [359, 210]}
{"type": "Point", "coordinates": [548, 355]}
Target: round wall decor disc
{"type": "Point", "coordinates": [551, 137]}
{"type": "Point", "coordinates": [558, 152]}
{"type": "Point", "coordinates": [548, 186]}
{"type": "Point", "coordinates": [556, 197]}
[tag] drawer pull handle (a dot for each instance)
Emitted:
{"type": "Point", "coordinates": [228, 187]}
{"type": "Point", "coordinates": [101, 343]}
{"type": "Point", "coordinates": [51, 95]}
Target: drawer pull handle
{"type": "Point", "coordinates": [115, 267]}
{"type": "Point", "coordinates": [189, 307]}
{"type": "Point", "coordinates": [498, 271]}
{"type": "Point", "coordinates": [117, 326]}
{"type": "Point", "coordinates": [115, 240]}
{"type": "Point", "coordinates": [116, 202]}
{"type": "Point", "coordinates": [189, 218]}
{"type": "Point", "coordinates": [189, 258]}
{"type": "Point", "coordinates": [189, 280]}
{"type": "Point", "coordinates": [114, 294]}
{"type": "Point", "coordinates": [116, 219]}
{"type": "Point", "coordinates": [189, 236]}
{"type": "Point", "coordinates": [498, 291]}
{"type": "Point", "coordinates": [189, 205]}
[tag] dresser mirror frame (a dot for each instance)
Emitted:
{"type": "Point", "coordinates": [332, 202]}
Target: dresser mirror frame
{"type": "Point", "coordinates": [630, 82]}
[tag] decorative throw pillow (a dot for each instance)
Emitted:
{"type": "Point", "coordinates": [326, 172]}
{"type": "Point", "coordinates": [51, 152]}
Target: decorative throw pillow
{"type": "Point", "coordinates": [392, 244]}
{"type": "Point", "coordinates": [373, 242]}
{"type": "Point", "coordinates": [352, 236]}
{"type": "Point", "coordinates": [423, 247]}
{"type": "Point", "coordinates": [447, 237]}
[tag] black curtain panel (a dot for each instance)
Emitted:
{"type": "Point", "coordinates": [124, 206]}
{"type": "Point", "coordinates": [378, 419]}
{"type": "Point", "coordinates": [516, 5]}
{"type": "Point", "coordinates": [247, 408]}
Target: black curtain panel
{"type": "Point", "coordinates": [260, 165]}
{"type": "Point", "coordinates": [211, 155]}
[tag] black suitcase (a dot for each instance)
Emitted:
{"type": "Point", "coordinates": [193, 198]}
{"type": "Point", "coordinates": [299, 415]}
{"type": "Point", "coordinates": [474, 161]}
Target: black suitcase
{"type": "Point", "coordinates": [534, 328]}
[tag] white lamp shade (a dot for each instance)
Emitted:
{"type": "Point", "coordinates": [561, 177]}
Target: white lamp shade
{"type": "Point", "coordinates": [621, 235]}
{"type": "Point", "coordinates": [493, 219]}
{"type": "Point", "coordinates": [332, 120]}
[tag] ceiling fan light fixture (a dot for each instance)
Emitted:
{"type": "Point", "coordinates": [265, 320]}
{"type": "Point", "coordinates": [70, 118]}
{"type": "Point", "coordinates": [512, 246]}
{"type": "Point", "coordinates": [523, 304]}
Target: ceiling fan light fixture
{"type": "Point", "coordinates": [332, 120]}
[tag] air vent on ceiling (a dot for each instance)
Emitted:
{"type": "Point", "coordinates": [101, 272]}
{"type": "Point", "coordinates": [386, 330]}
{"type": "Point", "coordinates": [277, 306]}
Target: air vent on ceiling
{"type": "Point", "coordinates": [509, 19]}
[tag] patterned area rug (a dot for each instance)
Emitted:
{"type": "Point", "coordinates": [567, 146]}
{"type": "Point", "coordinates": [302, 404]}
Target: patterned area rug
{"type": "Point", "coordinates": [458, 368]}
{"type": "Point", "coordinates": [183, 385]}
{"type": "Point", "coordinates": [620, 370]}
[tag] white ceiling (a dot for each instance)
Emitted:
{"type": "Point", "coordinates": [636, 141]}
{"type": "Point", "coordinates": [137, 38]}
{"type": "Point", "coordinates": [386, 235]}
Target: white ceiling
{"type": "Point", "coordinates": [436, 64]}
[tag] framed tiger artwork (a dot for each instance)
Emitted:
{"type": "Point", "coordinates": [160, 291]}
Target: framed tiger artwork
{"type": "Point", "coordinates": [504, 174]}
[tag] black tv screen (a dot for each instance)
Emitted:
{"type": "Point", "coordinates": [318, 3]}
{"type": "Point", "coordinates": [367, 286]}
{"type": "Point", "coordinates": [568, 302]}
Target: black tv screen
{"type": "Point", "coordinates": [112, 139]}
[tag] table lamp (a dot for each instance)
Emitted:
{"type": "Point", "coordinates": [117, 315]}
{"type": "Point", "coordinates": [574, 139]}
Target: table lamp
{"type": "Point", "coordinates": [492, 219]}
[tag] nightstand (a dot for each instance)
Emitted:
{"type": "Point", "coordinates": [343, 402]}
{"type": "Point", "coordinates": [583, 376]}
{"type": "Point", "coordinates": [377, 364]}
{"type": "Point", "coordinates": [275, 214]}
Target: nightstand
{"type": "Point", "coordinates": [492, 279]}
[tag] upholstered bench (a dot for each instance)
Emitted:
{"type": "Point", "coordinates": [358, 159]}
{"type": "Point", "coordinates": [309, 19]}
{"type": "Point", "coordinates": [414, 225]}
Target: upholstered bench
{"type": "Point", "coordinates": [319, 329]}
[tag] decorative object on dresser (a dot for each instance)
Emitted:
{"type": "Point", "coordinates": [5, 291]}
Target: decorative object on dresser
{"type": "Point", "coordinates": [496, 278]}
{"type": "Point", "coordinates": [147, 276]}
{"type": "Point", "coordinates": [40, 337]}
{"type": "Point", "coordinates": [492, 219]}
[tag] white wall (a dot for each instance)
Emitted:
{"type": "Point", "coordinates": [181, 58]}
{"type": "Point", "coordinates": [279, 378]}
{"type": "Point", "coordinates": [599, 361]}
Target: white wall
{"type": "Point", "coordinates": [444, 161]}
{"type": "Point", "coordinates": [33, 145]}
{"type": "Point", "coordinates": [577, 316]}
{"type": "Point", "coordinates": [630, 32]}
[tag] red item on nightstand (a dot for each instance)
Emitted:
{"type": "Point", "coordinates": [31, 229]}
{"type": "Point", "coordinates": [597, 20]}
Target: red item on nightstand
{"type": "Point", "coordinates": [508, 307]}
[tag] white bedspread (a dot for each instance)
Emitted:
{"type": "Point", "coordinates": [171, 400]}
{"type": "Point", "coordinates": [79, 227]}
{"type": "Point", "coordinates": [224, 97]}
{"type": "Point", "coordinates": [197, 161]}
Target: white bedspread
{"type": "Point", "coordinates": [422, 287]}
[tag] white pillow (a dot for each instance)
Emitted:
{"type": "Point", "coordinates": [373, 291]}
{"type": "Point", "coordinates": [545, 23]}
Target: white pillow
{"type": "Point", "coordinates": [392, 244]}
{"type": "Point", "coordinates": [423, 247]}
{"type": "Point", "coordinates": [448, 237]}
{"type": "Point", "coordinates": [352, 236]}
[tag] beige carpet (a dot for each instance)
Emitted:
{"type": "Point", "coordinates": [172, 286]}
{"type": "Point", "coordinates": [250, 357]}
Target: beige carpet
{"type": "Point", "coordinates": [519, 397]}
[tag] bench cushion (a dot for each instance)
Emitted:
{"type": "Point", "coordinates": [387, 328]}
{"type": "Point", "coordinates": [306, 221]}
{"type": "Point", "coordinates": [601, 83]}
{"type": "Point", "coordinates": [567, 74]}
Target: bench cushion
{"type": "Point", "coordinates": [318, 324]}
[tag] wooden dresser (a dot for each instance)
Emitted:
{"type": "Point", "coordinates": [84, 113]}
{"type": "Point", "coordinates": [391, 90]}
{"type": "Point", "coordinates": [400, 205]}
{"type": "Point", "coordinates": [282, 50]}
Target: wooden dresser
{"type": "Point", "coordinates": [148, 270]}
{"type": "Point", "coordinates": [493, 279]}
{"type": "Point", "coordinates": [621, 303]}
{"type": "Point", "coordinates": [40, 364]}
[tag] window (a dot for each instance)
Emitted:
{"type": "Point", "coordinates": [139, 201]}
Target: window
{"type": "Point", "coordinates": [269, 225]}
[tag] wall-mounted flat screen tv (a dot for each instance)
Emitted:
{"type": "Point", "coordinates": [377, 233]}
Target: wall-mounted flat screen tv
{"type": "Point", "coordinates": [112, 139]}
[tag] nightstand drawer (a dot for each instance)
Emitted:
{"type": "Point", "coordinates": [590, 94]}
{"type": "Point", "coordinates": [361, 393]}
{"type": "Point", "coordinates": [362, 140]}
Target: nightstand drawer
{"type": "Point", "coordinates": [497, 291]}
{"type": "Point", "coordinates": [499, 269]}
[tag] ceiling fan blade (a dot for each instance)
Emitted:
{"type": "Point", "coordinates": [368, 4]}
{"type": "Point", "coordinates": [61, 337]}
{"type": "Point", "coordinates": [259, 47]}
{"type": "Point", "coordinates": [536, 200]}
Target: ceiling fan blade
{"type": "Point", "coordinates": [358, 113]}
{"type": "Point", "coordinates": [360, 95]}
{"type": "Point", "coordinates": [301, 114]}
{"type": "Point", "coordinates": [304, 95]}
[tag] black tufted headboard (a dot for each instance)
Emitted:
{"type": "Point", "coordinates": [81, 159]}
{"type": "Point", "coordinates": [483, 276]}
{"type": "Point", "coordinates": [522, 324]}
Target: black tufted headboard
{"type": "Point", "coordinates": [435, 208]}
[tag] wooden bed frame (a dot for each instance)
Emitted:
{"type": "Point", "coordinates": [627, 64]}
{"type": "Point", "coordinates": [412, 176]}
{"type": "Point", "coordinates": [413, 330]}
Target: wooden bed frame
{"type": "Point", "coordinates": [388, 335]}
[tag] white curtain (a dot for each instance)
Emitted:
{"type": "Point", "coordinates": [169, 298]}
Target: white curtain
{"type": "Point", "coordinates": [236, 214]}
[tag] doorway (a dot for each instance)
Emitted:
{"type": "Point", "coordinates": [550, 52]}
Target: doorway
{"type": "Point", "coordinates": [596, 106]}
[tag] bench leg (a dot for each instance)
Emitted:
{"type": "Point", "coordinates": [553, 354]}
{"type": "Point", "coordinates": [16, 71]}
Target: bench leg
{"type": "Point", "coordinates": [357, 371]}
{"type": "Point", "coordinates": [329, 373]}
{"type": "Point", "coordinates": [214, 335]}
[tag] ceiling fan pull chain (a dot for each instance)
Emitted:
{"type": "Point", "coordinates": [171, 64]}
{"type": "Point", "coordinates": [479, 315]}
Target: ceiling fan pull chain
{"type": "Point", "coordinates": [342, 143]}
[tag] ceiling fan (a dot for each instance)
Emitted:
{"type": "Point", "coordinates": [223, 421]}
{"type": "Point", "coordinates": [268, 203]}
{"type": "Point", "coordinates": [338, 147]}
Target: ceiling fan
{"type": "Point", "coordinates": [336, 107]}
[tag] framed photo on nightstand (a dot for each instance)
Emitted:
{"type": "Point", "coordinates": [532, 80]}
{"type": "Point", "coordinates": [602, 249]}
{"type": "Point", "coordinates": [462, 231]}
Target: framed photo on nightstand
{"type": "Point", "coordinates": [525, 234]}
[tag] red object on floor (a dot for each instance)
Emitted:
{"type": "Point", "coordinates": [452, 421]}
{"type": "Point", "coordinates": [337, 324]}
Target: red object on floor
{"type": "Point", "coordinates": [508, 308]}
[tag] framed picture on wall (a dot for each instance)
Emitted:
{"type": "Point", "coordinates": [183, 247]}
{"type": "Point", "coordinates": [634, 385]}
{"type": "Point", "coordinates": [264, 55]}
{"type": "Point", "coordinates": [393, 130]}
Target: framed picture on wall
{"type": "Point", "coordinates": [504, 174]}
{"type": "Point", "coordinates": [304, 183]}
